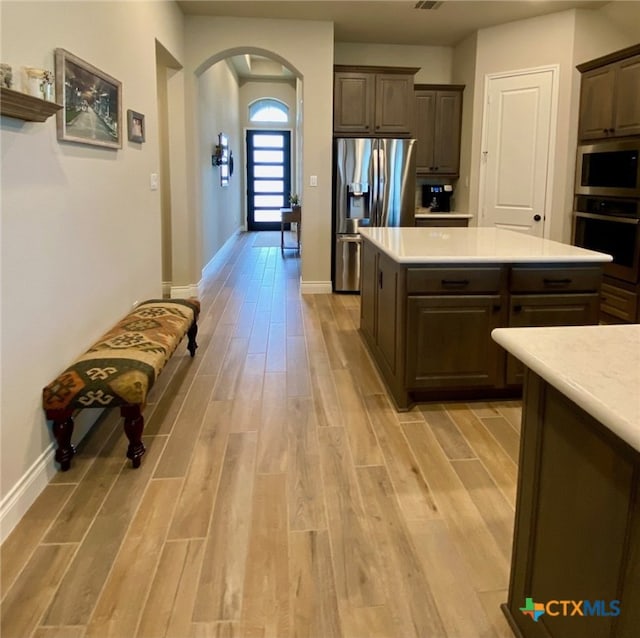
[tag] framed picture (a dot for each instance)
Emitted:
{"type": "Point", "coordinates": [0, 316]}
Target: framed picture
{"type": "Point", "coordinates": [91, 103]}
{"type": "Point", "coordinates": [135, 126]}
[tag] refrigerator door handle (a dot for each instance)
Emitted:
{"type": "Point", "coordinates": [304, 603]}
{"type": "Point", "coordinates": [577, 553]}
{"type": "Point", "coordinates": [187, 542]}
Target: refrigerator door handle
{"type": "Point", "coordinates": [375, 190]}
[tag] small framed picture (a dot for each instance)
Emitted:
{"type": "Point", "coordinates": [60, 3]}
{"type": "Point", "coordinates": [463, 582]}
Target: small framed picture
{"type": "Point", "coordinates": [135, 126]}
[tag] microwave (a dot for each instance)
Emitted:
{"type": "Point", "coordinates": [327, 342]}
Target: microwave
{"type": "Point", "coordinates": [609, 169]}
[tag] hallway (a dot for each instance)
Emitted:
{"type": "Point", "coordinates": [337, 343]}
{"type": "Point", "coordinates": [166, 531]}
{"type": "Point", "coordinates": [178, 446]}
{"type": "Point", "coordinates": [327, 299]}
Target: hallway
{"type": "Point", "coordinates": [280, 494]}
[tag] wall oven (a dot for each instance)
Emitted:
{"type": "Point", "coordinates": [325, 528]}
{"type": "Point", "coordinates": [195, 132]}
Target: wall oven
{"type": "Point", "coordinates": [610, 226]}
{"type": "Point", "coordinates": [609, 169]}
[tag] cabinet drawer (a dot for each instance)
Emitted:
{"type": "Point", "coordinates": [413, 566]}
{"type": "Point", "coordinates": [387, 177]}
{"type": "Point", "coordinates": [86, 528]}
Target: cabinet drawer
{"type": "Point", "coordinates": [555, 279]}
{"type": "Point", "coordinates": [421, 222]}
{"type": "Point", "coordinates": [618, 302]}
{"type": "Point", "coordinates": [454, 280]}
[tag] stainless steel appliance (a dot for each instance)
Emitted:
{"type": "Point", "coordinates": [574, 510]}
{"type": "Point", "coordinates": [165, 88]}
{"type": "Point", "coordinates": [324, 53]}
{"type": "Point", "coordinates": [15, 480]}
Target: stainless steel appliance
{"type": "Point", "coordinates": [609, 169]}
{"type": "Point", "coordinates": [437, 197]}
{"type": "Point", "coordinates": [611, 226]}
{"type": "Point", "coordinates": [374, 185]}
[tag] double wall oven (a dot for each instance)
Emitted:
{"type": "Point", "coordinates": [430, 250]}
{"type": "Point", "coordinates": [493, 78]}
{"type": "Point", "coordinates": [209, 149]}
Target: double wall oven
{"type": "Point", "coordinates": [607, 218]}
{"type": "Point", "coordinates": [610, 226]}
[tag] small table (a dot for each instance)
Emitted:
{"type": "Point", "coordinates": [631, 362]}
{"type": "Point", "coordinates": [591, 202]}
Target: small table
{"type": "Point", "coordinates": [288, 216]}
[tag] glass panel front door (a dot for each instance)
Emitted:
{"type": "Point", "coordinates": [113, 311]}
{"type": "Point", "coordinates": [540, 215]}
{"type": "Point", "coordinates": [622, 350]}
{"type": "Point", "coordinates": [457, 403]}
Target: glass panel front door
{"type": "Point", "coordinates": [268, 177]}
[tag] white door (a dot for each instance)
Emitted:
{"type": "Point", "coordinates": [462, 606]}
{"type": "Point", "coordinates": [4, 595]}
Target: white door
{"type": "Point", "coordinates": [517, 147]}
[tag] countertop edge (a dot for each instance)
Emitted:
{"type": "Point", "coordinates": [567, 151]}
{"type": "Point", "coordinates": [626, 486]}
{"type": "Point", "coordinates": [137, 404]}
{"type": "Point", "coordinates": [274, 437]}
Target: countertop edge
{"type": "Point", "coordinates": [591, 404]}
{"type": "Point", "coordinates": [589, 258]}
{"type": "Point", "coordinates": [452, 215]}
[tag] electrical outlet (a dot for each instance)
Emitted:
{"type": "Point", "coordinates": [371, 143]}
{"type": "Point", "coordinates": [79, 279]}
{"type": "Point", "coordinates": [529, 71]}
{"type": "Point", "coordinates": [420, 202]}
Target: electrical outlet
{"type": "Point", "coordinates": [153, 181]}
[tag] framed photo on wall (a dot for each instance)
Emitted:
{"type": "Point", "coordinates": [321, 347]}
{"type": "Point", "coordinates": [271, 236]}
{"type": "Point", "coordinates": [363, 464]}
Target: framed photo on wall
{"type": "Point", "coordinates": [135, 126]}
{"type": "Point", "coordinates": [91, 103]}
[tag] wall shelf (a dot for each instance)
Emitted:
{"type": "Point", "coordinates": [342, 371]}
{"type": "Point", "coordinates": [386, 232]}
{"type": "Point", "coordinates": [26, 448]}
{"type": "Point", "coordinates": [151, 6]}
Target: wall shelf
{"type": "Point", "coordinates": [26, 107]}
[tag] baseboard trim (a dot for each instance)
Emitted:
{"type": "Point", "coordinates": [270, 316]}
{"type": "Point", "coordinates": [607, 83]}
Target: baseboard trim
{"type": "Point", "coordinates": [221, 253]}
{"type": "Point", "coordinates": [16, 503]}
{"type": "Point", "coordinates": [315, 287]}
{"type": "Point", "coordinates": [184, 292]}
{"type": "Point", "coordinates": [24, 493]}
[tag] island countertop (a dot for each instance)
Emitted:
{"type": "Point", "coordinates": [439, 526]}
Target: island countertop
{"type": "Point", "coordinates": [474, 245]}
{"type": "Point", "coordinates": [597, 367]}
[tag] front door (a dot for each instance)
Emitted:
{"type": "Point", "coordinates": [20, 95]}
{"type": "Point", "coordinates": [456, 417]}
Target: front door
{"type": "Point", "coordinates": [268, 177]}
{"type": "Point", "coordinates": [517, 148]}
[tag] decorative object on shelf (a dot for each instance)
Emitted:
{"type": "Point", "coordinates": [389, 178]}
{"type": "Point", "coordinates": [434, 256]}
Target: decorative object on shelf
{"type": "Point", "coordinates": [25, 107]}
{"type": "Point", "coordinates": [91, 100]}
{"type": "Point", "coordinates": [38, 83]}
{"type": "Point", "coordinates": [135, 126]}
{"type": "Point", "coordinates": [6, 76]}
{"type": "Point", "coordinates": [222, 157]}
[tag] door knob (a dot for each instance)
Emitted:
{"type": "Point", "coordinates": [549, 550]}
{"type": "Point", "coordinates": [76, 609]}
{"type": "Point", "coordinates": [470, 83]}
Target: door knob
{"type": "Point", "coordinates": [536, 218]}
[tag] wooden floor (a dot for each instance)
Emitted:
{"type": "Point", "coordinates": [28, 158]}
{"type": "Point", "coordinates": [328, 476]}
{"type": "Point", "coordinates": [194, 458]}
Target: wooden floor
{"type": "Point", "coordinates": [280, 495]}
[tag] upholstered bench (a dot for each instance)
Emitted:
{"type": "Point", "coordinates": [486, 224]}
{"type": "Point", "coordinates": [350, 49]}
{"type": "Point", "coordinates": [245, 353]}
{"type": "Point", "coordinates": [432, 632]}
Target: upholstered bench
{"type": "Point", "coordinates": [119, 370]}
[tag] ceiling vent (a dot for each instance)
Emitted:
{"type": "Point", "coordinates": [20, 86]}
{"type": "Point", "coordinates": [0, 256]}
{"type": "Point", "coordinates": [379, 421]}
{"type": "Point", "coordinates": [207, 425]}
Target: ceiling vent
{"type": "Point", "coordinates": [430, 6]}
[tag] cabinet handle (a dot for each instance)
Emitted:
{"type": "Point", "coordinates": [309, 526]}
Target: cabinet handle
{"type": "Point", "coordinates": [517, 308]}
{"type": "Point", "coordinates": [380, 279]}
{"type": "Point", "coordinates": [605, 130]}
{"type": "Point", "coordinates": [496, 307]}
{"type": "Point", "coordinates": [612, 130]}
{"type": "Point", "coordinates": [556, 282]}
{"type": "Point", "coordinates": [455, 282]}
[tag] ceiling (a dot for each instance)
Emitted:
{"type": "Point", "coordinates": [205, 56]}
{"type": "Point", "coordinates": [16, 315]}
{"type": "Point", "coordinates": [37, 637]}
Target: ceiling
{"type": "Point", "coordinates": [379, 21]}
{"type": "Point", "coordinates": [391, 22]}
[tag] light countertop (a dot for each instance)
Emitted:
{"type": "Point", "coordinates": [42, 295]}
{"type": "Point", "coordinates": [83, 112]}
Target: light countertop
{"type": "Point", "coordinates": [473, 245]}
{"type": "Point", "coordinates": [597, 367]}
{"type": "Point", "coordinates": [425, 213]}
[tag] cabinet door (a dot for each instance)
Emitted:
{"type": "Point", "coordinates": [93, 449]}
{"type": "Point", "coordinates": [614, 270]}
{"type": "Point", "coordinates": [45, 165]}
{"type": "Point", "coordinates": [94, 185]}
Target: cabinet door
{"type": "Point", "coordinates": [394, 104]}
{"type": "Point", "coordinates": [353, 103]}
{"type": "Point", "coordinates": [449, 341]}
{"type": "Point", "coordinates": [425, 116]}
{"type": "Point", "coordinates": [387, 308]}
{"type": "Point", "coordinates": [596, 103]}
{"type": "Point", "coordinates": [446, 151]}
{"type": "Point", "coordinates": [368, 289]}
{"type": "Point", "coordinates": [627, 111]}
{"type": "Point", "coordinates": [548, 310]}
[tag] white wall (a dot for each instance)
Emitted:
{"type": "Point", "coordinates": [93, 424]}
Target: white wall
{"type": "Point", "coordinates": [219, 112]}
{"type": "Point", "coordinates": [464, 72]}
{"type": "Point", "coordinates": [547, 40]}
{"type": "Point", "coordinates": [307, 48]}
{"type": "Point", "coordinates": [435, 63]}
{"type": "Point", "coordinates": [80, 227]}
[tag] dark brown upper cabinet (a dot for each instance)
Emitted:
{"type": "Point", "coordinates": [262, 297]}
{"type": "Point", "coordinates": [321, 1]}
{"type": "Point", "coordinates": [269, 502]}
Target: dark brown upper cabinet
{"type": "Point", "coordinates": [373, 101]}
{"type": "Point", "coordinates": [438, 120]}
{"type": "Point", "coordinates": [610, 96]}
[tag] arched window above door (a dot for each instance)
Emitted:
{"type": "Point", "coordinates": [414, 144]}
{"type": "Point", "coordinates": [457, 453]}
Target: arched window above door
{"type": "Point", "coordinates": [268, 110]}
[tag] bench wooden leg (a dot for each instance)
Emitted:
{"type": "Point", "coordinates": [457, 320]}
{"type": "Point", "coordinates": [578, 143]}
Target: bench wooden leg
{"type": "Point", "coordinates": [63, 430]}
{"type": "Point", "coordinates": [133, 426]}
{"type": "Point", "coordinates": [191, 335]}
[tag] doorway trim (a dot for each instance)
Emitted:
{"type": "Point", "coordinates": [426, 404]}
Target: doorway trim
{"type": "Point", "coordinates": [555, 75]}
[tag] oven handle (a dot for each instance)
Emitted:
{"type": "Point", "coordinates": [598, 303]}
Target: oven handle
{"type": "Point", "coordinates": [613, 218]}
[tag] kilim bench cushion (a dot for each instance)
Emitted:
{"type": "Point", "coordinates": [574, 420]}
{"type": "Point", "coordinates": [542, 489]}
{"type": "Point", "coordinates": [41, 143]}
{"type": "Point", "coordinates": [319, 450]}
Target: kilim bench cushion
{"type": "Point", "coordinates": [120, 369]}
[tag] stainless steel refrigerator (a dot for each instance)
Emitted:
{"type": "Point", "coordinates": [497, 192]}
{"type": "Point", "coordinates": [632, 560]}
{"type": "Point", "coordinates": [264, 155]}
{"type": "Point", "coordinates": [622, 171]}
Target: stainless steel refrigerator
{"type": "Point", "coordinates": [374, 185]}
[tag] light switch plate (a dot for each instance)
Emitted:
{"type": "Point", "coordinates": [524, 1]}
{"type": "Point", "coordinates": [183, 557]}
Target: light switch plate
{"type": "Point", "coordinates": [313, 180]}
{"type": "Point", "coordinates": [153, 181]}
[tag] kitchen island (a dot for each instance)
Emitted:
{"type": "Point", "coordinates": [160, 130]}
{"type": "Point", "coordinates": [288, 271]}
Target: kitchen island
{"type": "Point", "coordinates": [577, 530]}
{"type": "Point", "coordinates": [430, 298]}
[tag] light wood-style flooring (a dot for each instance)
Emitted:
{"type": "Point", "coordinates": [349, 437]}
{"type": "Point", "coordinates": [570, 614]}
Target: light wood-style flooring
{"type": "Point", "coordinates": [281, 495]}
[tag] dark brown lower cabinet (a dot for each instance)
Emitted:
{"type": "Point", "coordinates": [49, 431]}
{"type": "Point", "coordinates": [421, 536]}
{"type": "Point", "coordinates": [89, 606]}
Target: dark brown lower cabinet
{"type": "Point", "coordinates": [577, 530]}
{"type": "Point", "coordinates": [428, 327]}
{"type": "Point", "coordinates": [548, 310]}
{"type": "Point", "coordinates": [464, 357]}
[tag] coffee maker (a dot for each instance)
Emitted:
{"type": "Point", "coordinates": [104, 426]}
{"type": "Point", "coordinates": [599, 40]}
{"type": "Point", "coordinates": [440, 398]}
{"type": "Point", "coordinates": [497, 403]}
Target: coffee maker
{"type": "Point", "coordinates": [437, 197]}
